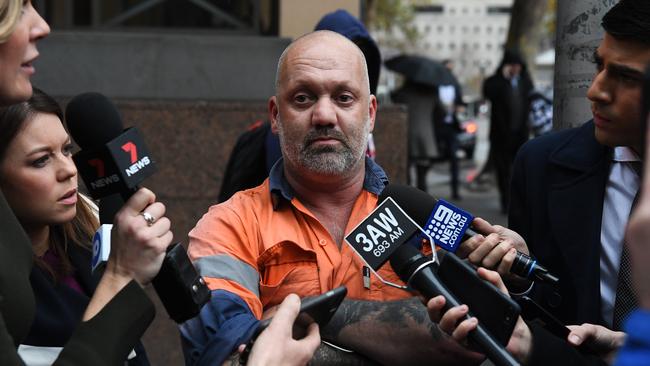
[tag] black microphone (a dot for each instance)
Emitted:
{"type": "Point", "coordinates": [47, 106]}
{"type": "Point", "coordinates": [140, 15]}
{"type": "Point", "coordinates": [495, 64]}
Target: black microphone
{"type": "Point", "coordinates": [417, 271]}
{"type": "Point", "coordinates": [420, 205]}
{"type": "Point", "coordinates": [112, 163]}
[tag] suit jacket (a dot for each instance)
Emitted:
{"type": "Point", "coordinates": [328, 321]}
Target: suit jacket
{"type": "Point", "coordinates": [558, 188]}
{"type": "Point", "coordinates": [106, 339]}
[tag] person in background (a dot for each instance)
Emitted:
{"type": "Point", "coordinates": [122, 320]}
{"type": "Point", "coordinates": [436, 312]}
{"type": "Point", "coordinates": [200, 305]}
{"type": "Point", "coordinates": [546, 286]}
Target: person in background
{"type": "Point", "coordinates": [507, 91]}
{"type": "Point", "coordinates": [449, 101]}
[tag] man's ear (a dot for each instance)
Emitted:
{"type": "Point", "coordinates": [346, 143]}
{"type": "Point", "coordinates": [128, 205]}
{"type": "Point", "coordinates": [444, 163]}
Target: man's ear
{"type": "Point", "coordinates": [372, 111]}
{"type": "Point", "coordinates": [274, 114]}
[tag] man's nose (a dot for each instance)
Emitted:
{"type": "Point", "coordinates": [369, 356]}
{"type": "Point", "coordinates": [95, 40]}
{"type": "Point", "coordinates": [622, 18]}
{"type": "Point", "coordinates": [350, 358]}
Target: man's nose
{"type": "Point", "coordinates": [599, 91]}
{"type": "Point", "coordinates": [324, 112]}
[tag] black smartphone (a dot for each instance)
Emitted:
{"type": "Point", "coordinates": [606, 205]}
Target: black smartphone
{"type": "Point", "coordinates": [495, 310]}
{"type": "Point", "coordinates": [315, 309]}
{"type": "Point", "coordinates": [548, 321]}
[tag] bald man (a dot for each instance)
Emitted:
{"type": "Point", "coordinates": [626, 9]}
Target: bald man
{"type": "Point", "coordinates": [287, 235]}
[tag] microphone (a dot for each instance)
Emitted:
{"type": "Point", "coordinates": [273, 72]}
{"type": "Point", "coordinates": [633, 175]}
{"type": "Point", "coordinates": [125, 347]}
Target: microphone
{"type": "Point", "coordinates": [112, 163]}
{"type": "Point", "coordinates": [417, 271]}
{"type": "Point", "coordinates": [449, 226]}
{"type": "Point", "coordinates": [388, 233]}
{"type": "Point", "coordinates": [108, 207]}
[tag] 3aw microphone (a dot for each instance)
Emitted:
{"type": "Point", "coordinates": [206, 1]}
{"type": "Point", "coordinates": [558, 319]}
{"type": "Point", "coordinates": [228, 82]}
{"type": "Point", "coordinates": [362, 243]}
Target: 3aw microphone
{"type": "Point", "coordinates": [416, 270]}
{"type": "Point", "coordinates": [113, 162]}
{"type": "Point", "coordinates": [448, 226]}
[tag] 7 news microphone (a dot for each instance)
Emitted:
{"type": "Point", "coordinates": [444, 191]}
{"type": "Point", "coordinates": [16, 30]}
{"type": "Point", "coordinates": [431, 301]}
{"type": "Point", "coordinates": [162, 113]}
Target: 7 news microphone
{"type": "Point", "coordinates": [432, 214]}
{"type": "Point", "coordinates": [388, 233]}
{"type": "Point", "coordinates": [112, 163]}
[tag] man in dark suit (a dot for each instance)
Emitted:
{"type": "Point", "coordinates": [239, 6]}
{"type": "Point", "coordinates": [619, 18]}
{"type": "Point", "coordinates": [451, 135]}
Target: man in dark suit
{"type": "Point", "coordinates": [572, 191]}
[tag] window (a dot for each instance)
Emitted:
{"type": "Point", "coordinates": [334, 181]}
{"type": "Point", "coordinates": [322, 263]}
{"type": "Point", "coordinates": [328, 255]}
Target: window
{"type": "Point", "coordinates": [498, 10]}
{"type": "Point", "coordinates": [429, 9]}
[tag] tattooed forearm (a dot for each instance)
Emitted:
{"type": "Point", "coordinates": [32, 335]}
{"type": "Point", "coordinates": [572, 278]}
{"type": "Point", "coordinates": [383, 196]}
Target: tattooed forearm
{"type": "Point", "coordinates": [326, 355]}
{"type": "Point", "coordinates": [390, 313]}
{"type": "Point", "coordinates": [394, 333]}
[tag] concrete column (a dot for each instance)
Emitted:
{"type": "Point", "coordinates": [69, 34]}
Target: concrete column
{"type": "Point", "coordinates": [578, 35]}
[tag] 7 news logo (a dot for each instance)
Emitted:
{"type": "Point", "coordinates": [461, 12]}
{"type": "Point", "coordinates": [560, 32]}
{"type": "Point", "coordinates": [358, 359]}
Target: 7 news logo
{"type": "Point", "coordinates": [100, 170]}
{"type": "Point", "coordinates": [447, 225]}
{"type": "Point", "coordinates": [136, 164]}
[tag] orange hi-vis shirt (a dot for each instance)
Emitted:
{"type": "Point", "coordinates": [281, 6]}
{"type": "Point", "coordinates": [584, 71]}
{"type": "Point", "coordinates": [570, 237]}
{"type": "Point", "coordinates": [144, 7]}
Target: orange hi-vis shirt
{"type": "Point", "coordinates": [262, 254]}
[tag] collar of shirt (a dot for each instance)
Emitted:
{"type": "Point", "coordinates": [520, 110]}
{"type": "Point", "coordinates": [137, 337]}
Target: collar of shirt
{"type": "Point", "coordinates": [374, 181]}
{"type": "Point", "coordinates": [624, 153]}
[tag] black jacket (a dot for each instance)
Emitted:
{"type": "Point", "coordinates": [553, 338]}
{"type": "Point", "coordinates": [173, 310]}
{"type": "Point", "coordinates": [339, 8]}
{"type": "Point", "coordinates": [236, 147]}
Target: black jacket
{"type": "Point", "coordinates": [558, 188]}
{"type": "Point", "coordinates": [508, 128]}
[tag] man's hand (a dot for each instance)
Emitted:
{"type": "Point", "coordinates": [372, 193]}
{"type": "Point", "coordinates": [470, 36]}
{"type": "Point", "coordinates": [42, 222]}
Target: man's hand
{"type": "Point", "coordinates": [276, 346]}
{"type": "Point", "coordinates": [520, 342]}
{"type": "Point", "coordinates": [602, 340]}
{"type": "Point", "coordinates": [496, 251]}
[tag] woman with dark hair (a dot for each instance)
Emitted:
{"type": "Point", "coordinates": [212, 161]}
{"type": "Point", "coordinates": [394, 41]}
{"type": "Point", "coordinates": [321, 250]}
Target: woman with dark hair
{"type": "Point", "coordinates": [39, 178]}
{"type": "Point", "coordinates": [44, 303]}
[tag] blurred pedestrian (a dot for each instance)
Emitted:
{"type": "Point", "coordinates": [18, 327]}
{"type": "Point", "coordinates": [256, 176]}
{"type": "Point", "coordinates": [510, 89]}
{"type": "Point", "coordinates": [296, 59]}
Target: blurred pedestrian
{"type": "Point", "coordinates": [508, 91]}
{"type": "Point", "coordinates": [420, 100]}
{"type": "Point", "coordinates": [448, 102]}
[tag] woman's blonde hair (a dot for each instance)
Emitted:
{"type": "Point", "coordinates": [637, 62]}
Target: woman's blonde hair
{"type": "Point", "coordinates": [10, 11]}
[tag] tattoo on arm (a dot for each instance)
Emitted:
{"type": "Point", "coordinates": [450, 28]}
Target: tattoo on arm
{"type": "Point", "coordinates": [326, 355]}
{"type": "Point", "coordinates": [390, 313]}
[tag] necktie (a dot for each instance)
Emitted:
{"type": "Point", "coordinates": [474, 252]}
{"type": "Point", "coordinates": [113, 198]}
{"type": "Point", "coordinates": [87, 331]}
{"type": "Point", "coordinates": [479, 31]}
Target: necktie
{"type": "Point", "coordinates": [626, 298]}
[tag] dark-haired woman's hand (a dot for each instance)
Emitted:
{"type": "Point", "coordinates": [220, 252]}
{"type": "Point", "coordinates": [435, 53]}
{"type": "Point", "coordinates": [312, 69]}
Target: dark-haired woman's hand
{"type": "Point", "coordinates": [140, 236]}
{"type": "Point", "coordinates": [139, 239]}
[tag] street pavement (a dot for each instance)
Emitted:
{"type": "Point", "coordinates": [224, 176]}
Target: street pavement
{"type": "Point", "coordinates": [480, 200]}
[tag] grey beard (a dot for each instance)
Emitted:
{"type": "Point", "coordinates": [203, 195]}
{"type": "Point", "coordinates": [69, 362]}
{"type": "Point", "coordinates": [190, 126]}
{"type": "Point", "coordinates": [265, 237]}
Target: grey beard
{"type": "Point", "coordinates": [326, 160]}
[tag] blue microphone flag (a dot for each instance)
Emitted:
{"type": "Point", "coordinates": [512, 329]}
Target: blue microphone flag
{"type": "Point", "coordinates": [447, 225]}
